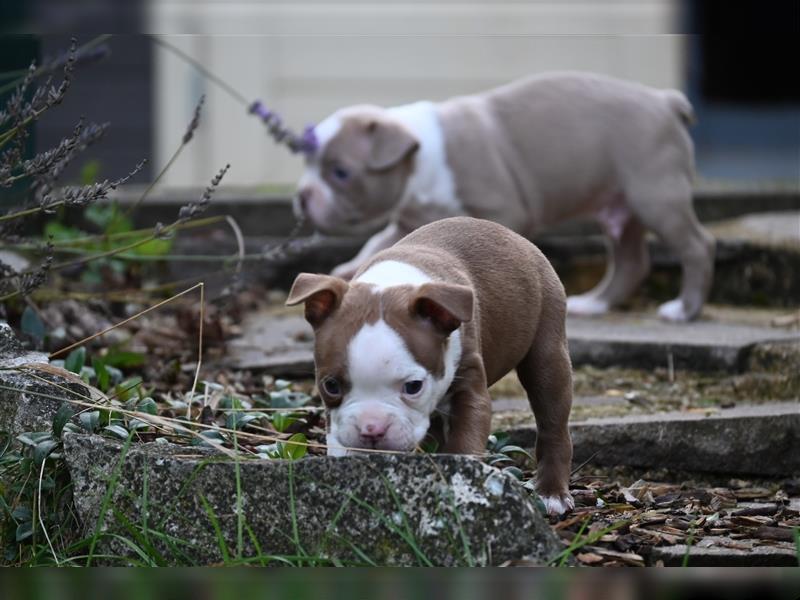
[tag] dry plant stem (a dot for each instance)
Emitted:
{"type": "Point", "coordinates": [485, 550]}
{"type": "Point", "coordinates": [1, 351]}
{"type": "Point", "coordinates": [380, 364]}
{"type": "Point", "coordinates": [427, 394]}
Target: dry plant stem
{"type": "Point", "coordinates": [47, 68]}
{"type": "Point", "coordinates": [143, 294]}
{"type": "Point", "coordinates": [123, 322]}
{"type": "Point", "coordinates": [217, 80]}
{"type": "Point", "coordinates": [155, 181]}
{"type": "Point", "coordinates": [30, 211]}
{"type": "Point", "coordinates": [237, 232]}
{"type": "Point", "coordinates": [65, 245]}
{"type": "Point", "coordinates": [199, 350]}
{"type": "Point", "coordinates": [115, 251]}
{"type": "Point", "coordinates": [41, 520]}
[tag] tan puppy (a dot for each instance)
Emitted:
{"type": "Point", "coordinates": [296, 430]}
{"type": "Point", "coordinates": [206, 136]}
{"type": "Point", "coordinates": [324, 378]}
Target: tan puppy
{"type": "Point", "coordinates": [425, 327]}
{"type": "Point", "coordinates": [527, 155]}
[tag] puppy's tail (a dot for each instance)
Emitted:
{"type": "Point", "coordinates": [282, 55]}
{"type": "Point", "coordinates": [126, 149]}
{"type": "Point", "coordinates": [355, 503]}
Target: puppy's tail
{"type": "Point", "coordinates": [680, 105]}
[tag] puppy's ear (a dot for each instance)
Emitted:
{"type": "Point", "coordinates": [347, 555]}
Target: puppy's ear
{"type": "Point", "coordinates": [445, 305]}
{"type": "Point", "coordinates": [391, 143]}
{"type": "Point", "coordinates": [321, 293]}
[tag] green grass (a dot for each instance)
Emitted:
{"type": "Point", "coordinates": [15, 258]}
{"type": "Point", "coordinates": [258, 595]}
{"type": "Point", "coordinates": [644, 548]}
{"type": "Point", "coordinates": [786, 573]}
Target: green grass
{"type": "Point", "coordinates": [579, 541]}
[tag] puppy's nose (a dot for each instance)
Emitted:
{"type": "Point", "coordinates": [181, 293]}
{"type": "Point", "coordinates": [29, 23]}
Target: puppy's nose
{"type": "Point", "coordinates": [372, 431]}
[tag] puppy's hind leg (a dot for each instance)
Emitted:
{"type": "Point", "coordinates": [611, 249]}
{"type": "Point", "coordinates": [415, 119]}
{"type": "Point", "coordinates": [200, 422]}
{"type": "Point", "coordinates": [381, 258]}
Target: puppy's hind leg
{"type": "Point", "coordinates": [628, 265]}
{"type": "Point", "coordinates": [675, 222]}
{"type": "Point", "coordinates": [546, 375]}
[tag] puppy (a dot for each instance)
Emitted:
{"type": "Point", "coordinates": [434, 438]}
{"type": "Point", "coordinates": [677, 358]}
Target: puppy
{"type": "Point", "coordinates": [425, 327]}
{"type": "Point", "coordinates": [528, 155]}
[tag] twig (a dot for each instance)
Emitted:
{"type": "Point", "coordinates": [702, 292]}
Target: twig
{"type": "Point", "coordinates": [208, 74]}
{"type": "Point", "coordinates": [187, 137]}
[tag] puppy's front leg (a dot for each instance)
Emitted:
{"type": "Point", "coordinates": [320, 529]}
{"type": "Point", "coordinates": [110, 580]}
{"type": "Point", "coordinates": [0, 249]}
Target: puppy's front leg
{"type": "Point", "coordinates": [386, 237]}
{"type": "Point", "coordinates": [470, 420]}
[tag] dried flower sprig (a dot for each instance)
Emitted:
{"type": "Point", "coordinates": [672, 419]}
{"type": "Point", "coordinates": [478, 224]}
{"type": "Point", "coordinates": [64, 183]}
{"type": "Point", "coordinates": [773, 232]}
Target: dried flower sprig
{"type": "Point", "coordinates": [74, 196]}
{"type": "Point", "coordinates": [187, 137]}
{"type": "Point", "coordinates": [51, 162]}
{"type": "Point", "coordinates": [196, 208]}
{"type": "Point", "coordinates": [44, 97]}
{"type": "Point", "coordinates": [305, 143]}
{"type": "Point", "coordinates": [27, 281]}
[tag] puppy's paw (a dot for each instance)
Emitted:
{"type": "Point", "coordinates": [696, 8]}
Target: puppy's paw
{"type": "Point", "coordinates": [586, 305]}
{"type": "Point", "coordinates": [334, 447]}
{"type": "Point", "coordinates": [674, 311]}
{"type": "Point", "coordinates": [558, 504]}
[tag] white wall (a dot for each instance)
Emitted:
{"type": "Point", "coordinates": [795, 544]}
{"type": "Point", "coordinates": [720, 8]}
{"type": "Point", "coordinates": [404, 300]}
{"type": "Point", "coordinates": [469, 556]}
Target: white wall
{"type": "Point", "coordinates": [306, 59]}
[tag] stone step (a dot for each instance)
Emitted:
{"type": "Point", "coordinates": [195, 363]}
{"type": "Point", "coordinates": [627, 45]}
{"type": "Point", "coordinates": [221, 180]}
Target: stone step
{"type": "Point", "coordinates": [280, 342]}
{"type": "Point", "coordinates": [721, 556]}
{"type": "Point", "coordinates": [767, 243]}
{"type": "Point", "coordinates": [758, 440]}
{"type": "Point", "coordinates": [460, 510]}
{"type": "Point", "coordinates": [263, 212]}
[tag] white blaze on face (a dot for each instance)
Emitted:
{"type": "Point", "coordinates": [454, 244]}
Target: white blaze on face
{"type": "Point", "coordinates": [390, 273]}
{"type": "Point", "coordinates": [379, 366]}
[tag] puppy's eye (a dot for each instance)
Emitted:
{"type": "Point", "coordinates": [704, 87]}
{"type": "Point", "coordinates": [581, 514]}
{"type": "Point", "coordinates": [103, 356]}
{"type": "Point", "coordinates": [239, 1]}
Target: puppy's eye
{"type": "Point", "coordinates": [332, 387]}
{"type": "Point", "coordinates": [412, 388]}
{"type": "Point", "coordinates": [341, 173]}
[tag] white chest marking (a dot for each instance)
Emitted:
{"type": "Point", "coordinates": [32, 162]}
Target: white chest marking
{"type": "Point", "coordinates": [432, 181]}
{"type": "Point", "coordinates": [390, 273]}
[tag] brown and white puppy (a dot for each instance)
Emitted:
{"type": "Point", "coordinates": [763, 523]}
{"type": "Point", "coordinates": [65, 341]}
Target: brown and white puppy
{"type": "Point", "coordinates": [425, 327]}
{"type": "Point", "coordinates": [527, 155]}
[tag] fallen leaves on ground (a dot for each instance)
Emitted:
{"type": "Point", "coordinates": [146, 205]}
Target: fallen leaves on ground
{"type": "Point", "coordinates": [648, 514]}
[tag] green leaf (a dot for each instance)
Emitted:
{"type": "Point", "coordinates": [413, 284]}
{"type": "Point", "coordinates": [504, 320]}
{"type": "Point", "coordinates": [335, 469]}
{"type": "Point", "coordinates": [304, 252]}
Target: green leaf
{"type": "Point", "coordinates": [281, 421]}
{"type": "Point", "coordinates": [32, 324]}
{"type": "Point", "coordinates": [90, 421]}
{"type": "Point", "coordinates": [22, 513]}
{"type": "Point", "coordinates": [286, 399]}
{"type": "Point", "coordinates": [515, 471]}
{"type": "Point", "coordinates": [230, 402]}
{"type": "Point", "coordinates": [282, 384]}
{"type": "Point", "coordinates": [102, 374]}
{"type": "Point", "coordinates": [24, 531]}
{"type": "Point", "coordinates": [32, 438]}
{"type": "Point", "coordinates": [60, 232]}
{"type": "Point", "coordinates": [63, 415]}
{"type": "Point", "coordinates": [209, 434]}
{"type": "Point", "coordinates": [294, 451]}
{"type": "Point", "coordinates": [90, 172]}
{"type": "Point", "coordinates": [118, 431]}
{"type": "Point", "coordinates": [128, 388]}
{"type": "Point", "coordinates": [148, 405]}
{"type": "Point", "coordinates": [515, 450]}
{"type": "Point", "coordinates": [42, 449]}
{"type": "Point", "coordinates": [124, 359]}
{"type": "Point", "coordinates": [154, 248]}
{"type": "Point", "coordinates": [76, 360]}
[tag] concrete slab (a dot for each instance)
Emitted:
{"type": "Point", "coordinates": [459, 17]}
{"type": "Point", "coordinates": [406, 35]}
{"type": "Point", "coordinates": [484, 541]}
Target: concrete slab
{"type": "Point", "coordinates": [281, 343]}
{"type": "Point", "coordinates": [635, 340]}
{"type": "Point", "coordinates": [457, 510]}
{"type": "Point", "coordinates": [721, 556]}
{"type": "Point", "coordinates": [759, 440]}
